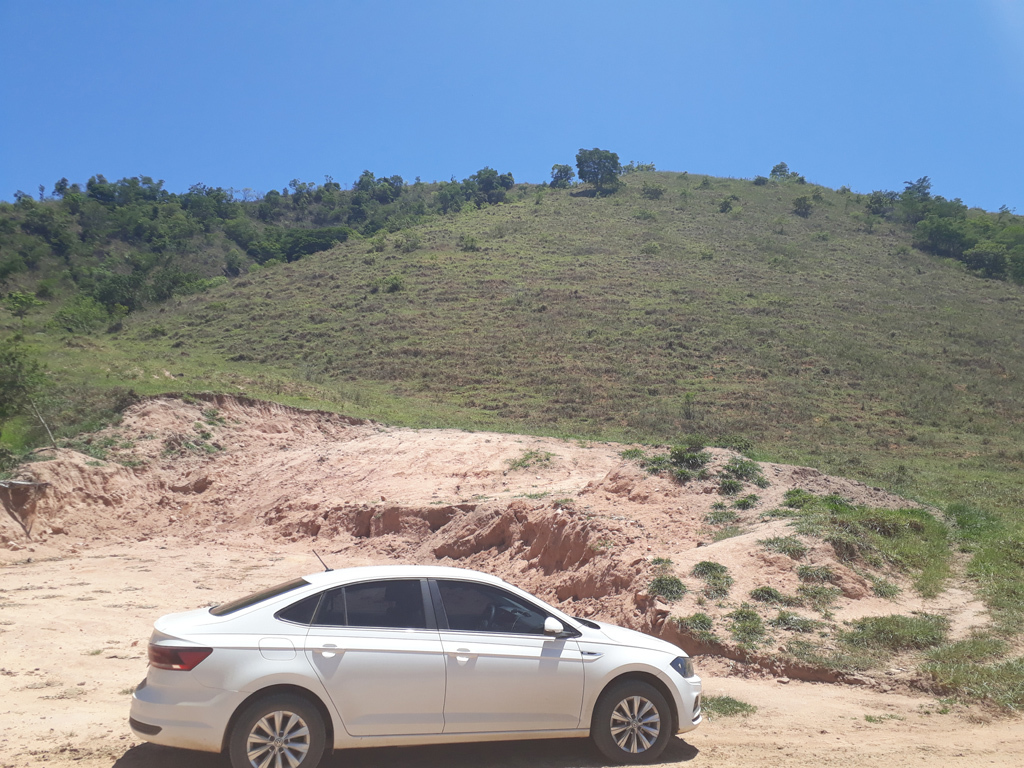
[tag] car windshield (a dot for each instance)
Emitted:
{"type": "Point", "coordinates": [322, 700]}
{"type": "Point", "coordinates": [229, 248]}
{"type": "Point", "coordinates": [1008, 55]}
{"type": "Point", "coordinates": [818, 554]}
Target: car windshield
{"type": "Point", "coordinates": [257, 597]}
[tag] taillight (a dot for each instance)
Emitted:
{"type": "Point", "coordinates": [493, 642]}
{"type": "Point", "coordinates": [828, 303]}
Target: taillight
{"type": "Point", "coordinates": [179, 658]}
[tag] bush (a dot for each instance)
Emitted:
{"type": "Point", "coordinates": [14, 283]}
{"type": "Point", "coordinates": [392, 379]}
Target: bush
{"type": "Point", "coordinates": [747, 502]}
{"type": "Point", "coordinates": [729, 487]}
{"type": "Point", "coordinates": [785, 545]}
{"type": "Point", "coordinates": [818, 596]}
{"type": "Point", "coordinates": [717, 581]}
{"type": "Point", "coordinates": [794, 622]}
{"type": "Point", "coordinates": [668, 587]}
{"type": "Point", "coordinates": [815, 574]}
{"type": "Point", "coordinates": [685, 456]}
{"type": "Point", "coordinates": [747, 626]}
{"type": "Point", "coordinates": [81, 315]}
{"type": "Point", "coordinates": [884, 588]}
{"type": "Point", "coordinates": [772, 595]}
{"type": "Point", "coordinates": [897, 632]}
{"type": "Point", "coordinates": [803, 206]}
{"type": "Point", "coordinates": [652, 191]}
{"type": "Point", "coordinates": [760, 181]}
{"type": "Point", "coordinates": [698, 622]}
{"type": "Point", "coordinates": [720, 517]}
{"type": "Point", "coordinates": [742, 469]}
{"type": "Point", "coordinates": [725, 706]}
{"type": "Point", "coordinates": [798, 498]}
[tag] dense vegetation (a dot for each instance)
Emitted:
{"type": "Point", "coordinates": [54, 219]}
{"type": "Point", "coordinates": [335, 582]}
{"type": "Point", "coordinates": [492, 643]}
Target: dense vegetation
{"type": "Point", "coordinates": [875, 336]}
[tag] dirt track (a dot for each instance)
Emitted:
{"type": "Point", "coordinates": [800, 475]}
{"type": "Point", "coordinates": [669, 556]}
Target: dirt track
{"type": "Point", "coordinates": [114, 548]}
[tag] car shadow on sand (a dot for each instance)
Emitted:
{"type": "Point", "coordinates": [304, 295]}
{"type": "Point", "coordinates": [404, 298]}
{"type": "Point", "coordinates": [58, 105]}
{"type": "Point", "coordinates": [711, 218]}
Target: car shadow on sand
{"type": "Point", "coordinates": [554, 753]}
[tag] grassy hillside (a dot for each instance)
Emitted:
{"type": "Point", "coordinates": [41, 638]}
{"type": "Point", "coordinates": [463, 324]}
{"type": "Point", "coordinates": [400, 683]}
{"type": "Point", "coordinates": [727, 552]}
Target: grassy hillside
{"type": "Point", "coordinates": [678, 305]}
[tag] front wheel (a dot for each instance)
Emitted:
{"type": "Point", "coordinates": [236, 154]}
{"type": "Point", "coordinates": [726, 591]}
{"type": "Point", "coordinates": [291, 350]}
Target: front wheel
{"type": "Point", "coordinates": [280, 731]}
{"type": "Point", "coordinates": [632, 723]}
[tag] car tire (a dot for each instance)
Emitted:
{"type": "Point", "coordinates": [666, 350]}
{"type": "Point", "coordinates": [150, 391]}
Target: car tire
{"type": "Point", "coordinates": [632, 723]}
{"type": "Point", "coordinates": [280, 725]}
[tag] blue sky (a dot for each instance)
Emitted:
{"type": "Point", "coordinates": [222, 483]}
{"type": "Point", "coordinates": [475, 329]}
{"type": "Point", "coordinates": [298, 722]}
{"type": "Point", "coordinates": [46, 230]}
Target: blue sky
{"type": "Point", "coordinates": [253, 94]}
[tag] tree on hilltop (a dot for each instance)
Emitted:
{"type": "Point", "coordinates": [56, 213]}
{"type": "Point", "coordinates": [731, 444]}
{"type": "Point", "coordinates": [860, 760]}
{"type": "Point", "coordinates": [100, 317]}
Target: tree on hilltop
{"type": "Point", "coordinates": [600, 168]}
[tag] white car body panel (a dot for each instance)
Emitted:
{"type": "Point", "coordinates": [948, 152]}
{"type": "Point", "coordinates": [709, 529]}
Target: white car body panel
{"type": "Point", "coordinates": [389, 687]}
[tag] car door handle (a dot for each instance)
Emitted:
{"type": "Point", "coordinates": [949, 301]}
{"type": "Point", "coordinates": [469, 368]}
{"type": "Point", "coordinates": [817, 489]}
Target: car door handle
{"type": "Point", "coordinates": [327, 650]}
{"type": "Point", "coordinates": [462, 655]}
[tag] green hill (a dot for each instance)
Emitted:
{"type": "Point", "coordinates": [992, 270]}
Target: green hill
{"type": "Point", "coordinates": [874, 336]}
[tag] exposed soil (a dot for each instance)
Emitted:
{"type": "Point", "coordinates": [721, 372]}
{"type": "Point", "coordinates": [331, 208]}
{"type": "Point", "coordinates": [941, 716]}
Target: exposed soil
{"type": "Point", "coordinates": [220, 502]}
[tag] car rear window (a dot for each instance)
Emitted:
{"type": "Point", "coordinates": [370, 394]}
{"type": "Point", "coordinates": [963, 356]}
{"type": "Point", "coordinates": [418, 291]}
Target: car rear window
{"type": "Point", "coordinates": [257, 597]}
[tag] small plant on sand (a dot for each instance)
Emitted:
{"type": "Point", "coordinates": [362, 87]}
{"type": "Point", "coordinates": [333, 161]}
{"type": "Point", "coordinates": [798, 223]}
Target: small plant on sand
{"type": "Point", "coordinates": [790, 546]}
{"type": "Point", "coordinates": [725, 706]}
{"type": "Point", "coordinates": [746, 502]}
{"type": "Point", "coordinates": [798, 498]}
{"type": "Point", "coordinates": [716, 578]}
{"type": "Point", "coordinates": [530, 459]}
{"type": "Point", "coordinates": [772, 595]}
{"type": "Point", "coordinates": [668, 587]}
{"type": "Point", "coordinates": [815, 574]}
{"type": "Point", "coordinates": [794, 622]}
{"type": "Point", "coordinates": [747, 626]}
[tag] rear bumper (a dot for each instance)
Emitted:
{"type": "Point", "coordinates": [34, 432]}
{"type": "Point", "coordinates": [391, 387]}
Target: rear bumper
{"type": "Point", "coordinates": [190, 718]}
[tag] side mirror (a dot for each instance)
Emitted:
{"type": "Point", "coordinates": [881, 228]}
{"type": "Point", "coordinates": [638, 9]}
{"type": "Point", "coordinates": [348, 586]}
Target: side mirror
{"type": "Point", "coordinates": [553, 626]}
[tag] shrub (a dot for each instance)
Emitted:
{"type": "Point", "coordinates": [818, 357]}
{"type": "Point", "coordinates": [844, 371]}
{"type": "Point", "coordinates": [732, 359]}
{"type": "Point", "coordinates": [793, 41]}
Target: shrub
{"type": "Point", "coordinates": [794, 622]}
{"type": "Point", "coordinates": [803, 206]}
{"type": "Point", "coordinates": [729, 487]}
{"type": "Point", "coordinates": [698, 622]}
{"type": "Point", "coordinates": [747, 626]}
{"type": "Point", "coordinates": [884, 588]}
{"type": "Point", "coordinates": [790, 546]}
{"type": "Point", "coordinates": [685, 456]}
{"type": "Point", "coordinates": [798, 498]}
{"type": "Point", "coordinates": [632, 454]}
{"type": "Point", "coordinates": [818, 596]}
{"type": "Point", "coordinates": [742, 469]}
{"type": "Point", "coordinates": [717, 581]}
{"type": "Point", "coordinates": [728, 532]}
{"type": "Point", "coordinates": [725, 706]}
{"type": "Point", "coordinates": [645, 214]}
{"type": "Point", "coordinates": [815, 574]}
{"type": "Point", "coordinates": [468, 243]}
{"type": "Point", "coordinates": [772, 595]}
{"type": "Point", "coordinates": [81, 315]}
{"type": "Point", "coordinates": [652, 191]}
{"type": "Point", "coordinates": [720, 517]}
{"type": "Point", "coordinates": [897, 632]}
{"type": "Point", "coordinates": [760, 181]}
{"type": "Point", "coordinates": [736, 443]}
{"type": "Point", "coordinates": [668, 587]}
{"type": "Point", "coordinates": [650, 248]}
{"type": "Point", "coordinates": [747, 502]}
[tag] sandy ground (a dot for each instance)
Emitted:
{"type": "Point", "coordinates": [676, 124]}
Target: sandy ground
{"type": "Point", "coordinates": [74, 638]}
{"type": "Point", "coordinates": [106, 549]}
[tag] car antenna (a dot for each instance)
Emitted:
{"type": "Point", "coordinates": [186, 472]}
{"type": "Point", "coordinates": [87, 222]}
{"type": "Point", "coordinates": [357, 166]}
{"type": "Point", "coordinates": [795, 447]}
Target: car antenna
{"type": "Point", "coordinates": [322, 562]}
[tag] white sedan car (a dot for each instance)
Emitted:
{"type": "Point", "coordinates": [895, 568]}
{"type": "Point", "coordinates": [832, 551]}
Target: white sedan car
{"type": "Point", "coordinates": [404, 655]}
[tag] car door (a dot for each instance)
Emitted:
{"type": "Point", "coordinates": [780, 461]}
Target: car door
{"type": "Point", "coordinates": [378, 653]}
{"type": "Point", "coordinates": [504, 673]}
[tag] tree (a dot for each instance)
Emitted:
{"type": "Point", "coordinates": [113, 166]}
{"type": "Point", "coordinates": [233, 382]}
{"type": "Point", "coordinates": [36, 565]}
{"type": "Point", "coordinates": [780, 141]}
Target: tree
{"type": "Point", "coordinates": [780, 171]}
{"type": "Point", "coordinates": [802, 206]}
{"type": "Point", "coordinates": [20, 379]}
{"type": "Point", "coordinates": [562, 176]}
{"type": "Point", "coordinates": [600, 168]}
{"type": "Point", "coordinates": [20, 304]}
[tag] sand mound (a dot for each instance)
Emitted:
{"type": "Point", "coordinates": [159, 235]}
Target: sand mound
{"type": "Point", "coordinates": [571, 522]}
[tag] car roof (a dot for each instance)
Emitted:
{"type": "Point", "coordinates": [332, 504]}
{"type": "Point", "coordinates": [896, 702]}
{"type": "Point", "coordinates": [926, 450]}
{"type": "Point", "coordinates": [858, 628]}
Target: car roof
{"type": "Point", "coordinates": [369, 572]}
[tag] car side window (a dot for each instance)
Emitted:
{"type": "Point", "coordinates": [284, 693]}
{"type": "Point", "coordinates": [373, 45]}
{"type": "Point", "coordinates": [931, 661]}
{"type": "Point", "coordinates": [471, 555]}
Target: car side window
{"type": "Point", "coordinates": [483, 608]}
{"type": "Point", "coordinates": [396, 604]}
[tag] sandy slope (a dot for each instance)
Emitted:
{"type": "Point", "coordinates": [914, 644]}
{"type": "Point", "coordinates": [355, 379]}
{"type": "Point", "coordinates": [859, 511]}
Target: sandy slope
{"type": "Point", "coordinates": [112, 548]}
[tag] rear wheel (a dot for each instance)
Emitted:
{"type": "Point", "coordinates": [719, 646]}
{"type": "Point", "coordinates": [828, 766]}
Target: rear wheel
{"type": "Point", "coordinates": [632, 723]}
{"type": "Point", "coordinates": [279, 731]}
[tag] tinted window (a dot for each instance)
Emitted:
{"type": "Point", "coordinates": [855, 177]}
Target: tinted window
{"type": "Point", "coordinates": [300, 612]}
{"type": "Point", "coordinates": [392, 604]}
{"type": "Point", "coordinates": [257, 597]}
{"type": "Point", "coordinates": [482, 608]}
